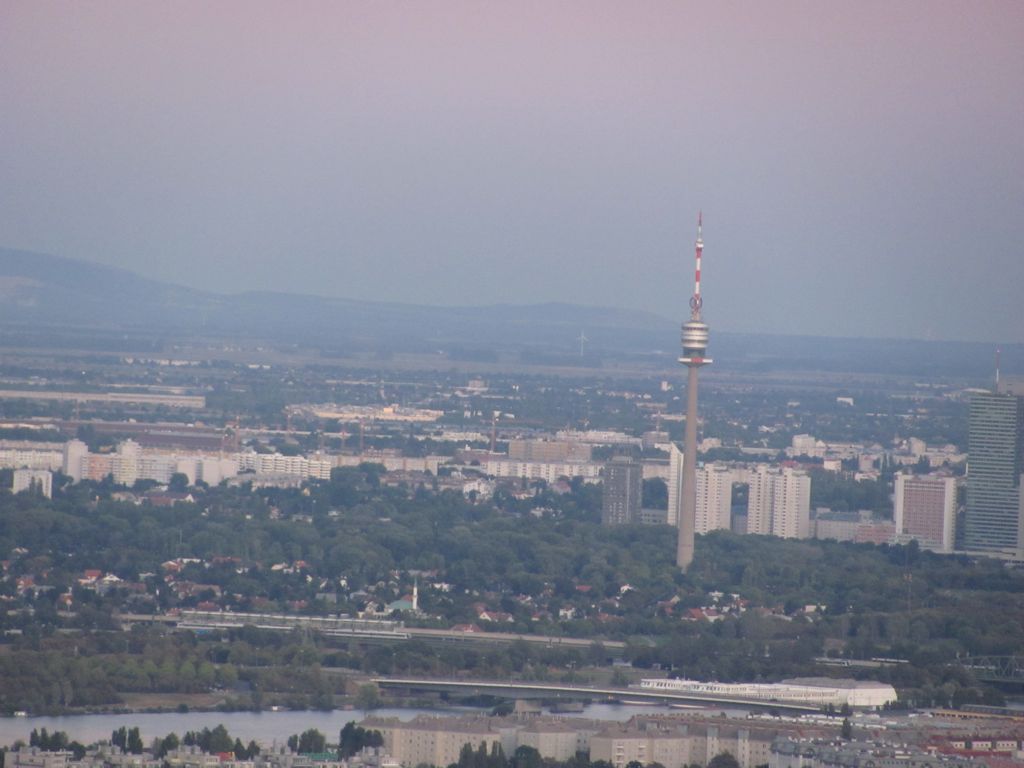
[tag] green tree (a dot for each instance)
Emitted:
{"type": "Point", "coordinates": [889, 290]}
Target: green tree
{"type": "Point", "coordinates": [496, 759]}
{"type": "Point", "coordinates": [466, 756]}
{"type": "Point", "coordinates": [169, 743]}
{"type": "Point", "coordinates": [134, 743]}
{"type": "Point", "coordinates": [723, 760]}
{"type": "Point", "coordinates": [526, 757]}
{"type": "Point", "coordinates": [178, 483]}
{"type": "Point", "coordinates": [220, 740]}
{"type": "Point", "coordinates": [368, 697]}
{"type": "Point", "coordinates": [352, 739]}
{"type": "Point", "coordinates": [312, 741]}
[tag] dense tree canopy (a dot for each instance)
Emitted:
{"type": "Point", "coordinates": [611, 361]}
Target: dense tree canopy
{"type": "Point", "coordinates": [765, 608]}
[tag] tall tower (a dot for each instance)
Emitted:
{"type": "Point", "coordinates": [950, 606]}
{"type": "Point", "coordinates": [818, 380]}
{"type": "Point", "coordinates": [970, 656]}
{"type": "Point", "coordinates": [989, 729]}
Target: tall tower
{"type": "Point", "coordinates": [994, 516]}
{"type": "Point", "coordinates": [695, 343]}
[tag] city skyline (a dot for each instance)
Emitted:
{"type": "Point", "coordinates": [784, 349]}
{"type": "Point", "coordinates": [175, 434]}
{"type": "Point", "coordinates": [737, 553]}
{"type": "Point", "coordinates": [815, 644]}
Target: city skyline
{"type": "Point", "coordinates": [851, 159]}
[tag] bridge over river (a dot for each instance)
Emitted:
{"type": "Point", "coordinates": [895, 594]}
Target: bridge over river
{"type": "Point", "coordinates": [522, 690]}
{"type": "Point", "coordinates": [1002, 670]}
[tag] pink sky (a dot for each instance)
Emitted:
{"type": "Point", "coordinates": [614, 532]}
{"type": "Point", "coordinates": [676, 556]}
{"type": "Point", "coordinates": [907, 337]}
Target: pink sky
{"type": "Point", "coordinates": [851, 159]}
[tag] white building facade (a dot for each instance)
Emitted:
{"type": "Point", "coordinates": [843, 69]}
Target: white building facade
{"type": "Point", "coordinates": [779, 502]}
{"type": "Point", "coordinates": [33, 481]}
{"type": "Point", "coordinates": [924, 510]}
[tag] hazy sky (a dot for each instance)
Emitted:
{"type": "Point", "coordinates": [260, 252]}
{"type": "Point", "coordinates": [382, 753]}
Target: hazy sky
{"type": "Point", "coordinates": [860, 164]}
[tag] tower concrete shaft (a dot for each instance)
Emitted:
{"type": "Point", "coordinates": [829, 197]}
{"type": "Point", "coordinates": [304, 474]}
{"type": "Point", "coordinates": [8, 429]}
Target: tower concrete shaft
{"type": "Point", "coordinates": [694, 340]}
{"type": "Point", "coordinates": [688, 495]}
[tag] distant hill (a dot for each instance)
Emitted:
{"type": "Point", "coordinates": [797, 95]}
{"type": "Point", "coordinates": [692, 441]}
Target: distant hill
{"type": "Point", "coordinates": [46, 290]}
{"type": "Point", "coordinates": [40, 292]}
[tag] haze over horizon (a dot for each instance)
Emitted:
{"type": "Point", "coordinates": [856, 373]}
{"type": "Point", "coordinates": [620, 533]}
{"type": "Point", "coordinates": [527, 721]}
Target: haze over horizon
{"type": "Point", "coordinates": [859, 166]}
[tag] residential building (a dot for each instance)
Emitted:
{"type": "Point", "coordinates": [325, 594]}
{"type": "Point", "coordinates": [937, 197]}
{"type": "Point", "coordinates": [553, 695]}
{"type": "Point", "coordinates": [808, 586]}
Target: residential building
{"type": "Point", "coordinates": [125, 465]}
{"type": "Point", "coordinates": [779, 502]}
{"type": "Point", "coordinates": [17, 454]}
{"type": "Point", "coordinates": [924, 510]}
{"type": "Point", "coordinates": [714, 498]}
{"type": "Point", "coordinates": [557, 739]}
{"type": "Point", "coordinates": [876, 532]}
{"type": "Point", "coordinates": [75, 452]}
{"type": "Point", "coordinates": [653, 516]}
{"type": "Point", "coordinates": [806, 445]}
{"type": "Point", "coordinates": [34, 481]}
{"type": "Point", "coordinates": [714, 493]}
{"type": "Point", "coordinates": [795, 752]}
{"type": "Point", "coordinates": [549, 450]}
{"type": "Point", "coordinates": [548, 471]}
{"type": "Point", "coordinates": [677, 743]}
{"type": "Point", "coordinates": [433, 740]}
{"type": "Point", "coordinates": [676, 459]}
{"type": "Point", "coordinates": [622, 491]}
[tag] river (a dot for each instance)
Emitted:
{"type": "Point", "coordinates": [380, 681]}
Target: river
{"type": "Point", "coordinates": [263, 727]}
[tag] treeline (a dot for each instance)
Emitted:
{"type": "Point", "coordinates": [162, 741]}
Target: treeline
{"type": "Point", "coordinates": [214, 741]}
{"type": "Point", "coordinates": [55, 742]}
{"type": "Point", "coordinates": [351, 740]}
{"type": "Point", "coordinates": [57, 673]}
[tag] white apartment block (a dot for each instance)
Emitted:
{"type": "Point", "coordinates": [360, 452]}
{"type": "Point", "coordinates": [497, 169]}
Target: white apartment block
{"type": "Point", "coordinates": [779, 502]}
{"type": "Point", "coordinates": [597, 437]}
{"type": "Point", "coordinates": [14, 455]}
{"type": "Point", "coordinates": [433, 741]}
{"type": "Point", "coordinates": [549, 471]}
{"type": "Point", "coordinates": [806, 445]}
{"type": "Point", "coordinates": [73, 456]}
{"type": "Point", "coordinates": [390, 462]}
{"type": "Point", "coordinates": [714, 498]}
{"type": "Point", "coordinates": [675, 482]}
{"type": "Point", "coordinates": [277, 463]}
{"type": "Point", "coordinates": [924, 509]}
{"type": "Point", "coordinates": [130, 462]}
{"type": "Point", "coordinates": [680, 745]}
{"type": "Point", "coordinates": [125, 466]}
{"type": "Point", "coordinates": [33, 480]}
{"type": "Point", "coordinates": [714, 493]}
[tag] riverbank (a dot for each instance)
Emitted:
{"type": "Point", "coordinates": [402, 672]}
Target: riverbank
{"type": "Point", "coordinates": [265, 727]}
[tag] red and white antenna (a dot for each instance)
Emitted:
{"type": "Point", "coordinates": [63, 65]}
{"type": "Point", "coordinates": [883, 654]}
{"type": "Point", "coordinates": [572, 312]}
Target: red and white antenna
{"type": "Point", "coordinates": [696, 301]}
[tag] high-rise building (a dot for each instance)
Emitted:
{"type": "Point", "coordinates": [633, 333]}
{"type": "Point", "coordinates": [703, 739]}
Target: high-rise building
{"type": "Point", "coordinates": [622, 492]}
{"type": "Point", "coordinates": [713, 505]}
{"type": "Point", "coordinates": [994, 518]}
{"type": "Point", "coordinates": [125, 466]}
{"type": "Point", "coordinates": [714, 499]}
{"type": "Point", "coordinates": [924, 509]}
{"type": "Point", "coordinates": [676, 459]}
{"type": "Point", "coordinates": [75, 452]}
{"type": "Point", "coordinates": [779, 502]}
